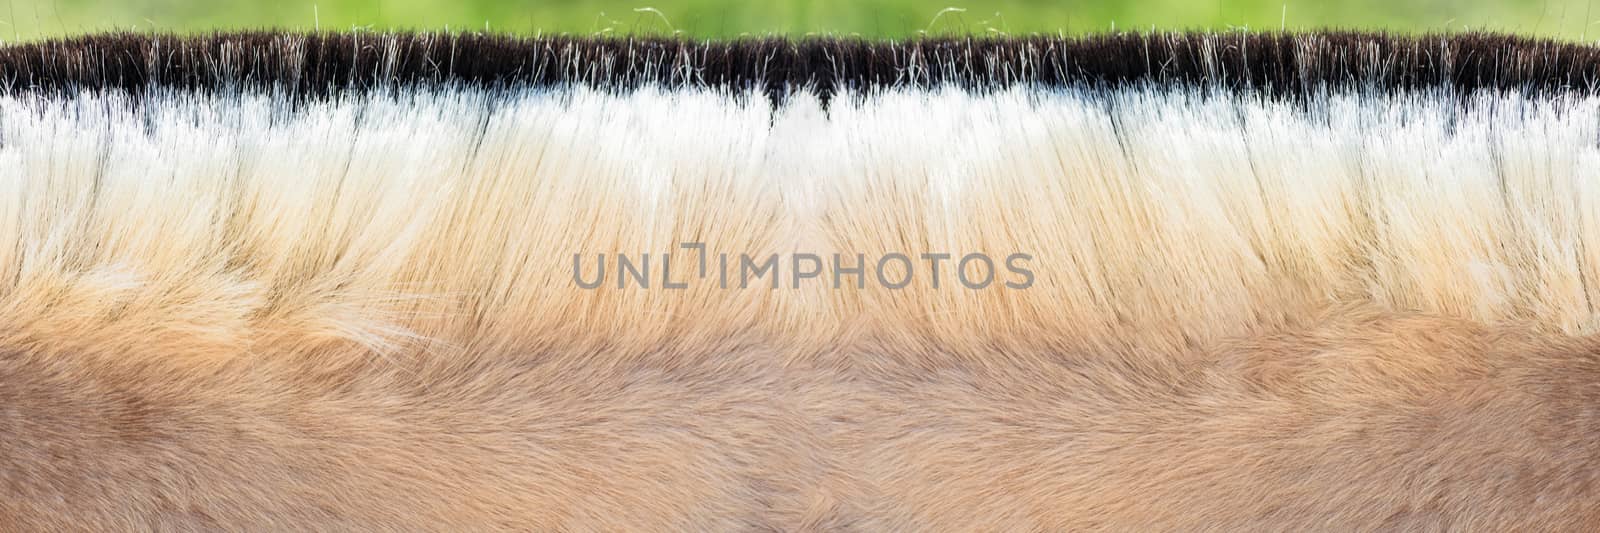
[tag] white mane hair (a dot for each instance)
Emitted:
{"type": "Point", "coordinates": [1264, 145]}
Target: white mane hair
{"type": "Point", "coordinates": [1355, 308]}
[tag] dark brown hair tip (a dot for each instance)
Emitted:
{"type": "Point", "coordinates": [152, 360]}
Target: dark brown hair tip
{"type": "Point", "coordinates": [1275, 64]}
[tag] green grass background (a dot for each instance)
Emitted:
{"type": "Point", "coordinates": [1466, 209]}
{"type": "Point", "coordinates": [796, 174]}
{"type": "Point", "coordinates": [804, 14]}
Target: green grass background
{"type": "Point", "coordinates": [34, 19]}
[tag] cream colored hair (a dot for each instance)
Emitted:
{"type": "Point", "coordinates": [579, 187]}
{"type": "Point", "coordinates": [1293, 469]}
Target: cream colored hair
{"type": "Point", "coordinates": [1350, 311]}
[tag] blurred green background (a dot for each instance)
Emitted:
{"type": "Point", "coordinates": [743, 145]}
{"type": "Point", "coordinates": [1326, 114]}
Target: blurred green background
{"type": "Point", "coordinates": [33, 19]}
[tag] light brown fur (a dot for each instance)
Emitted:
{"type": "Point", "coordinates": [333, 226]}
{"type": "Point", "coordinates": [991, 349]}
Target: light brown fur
{"type": "Point", "coordinates": [368, 324]}
{"type": "Point", "coordinates": [1365, 420]}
